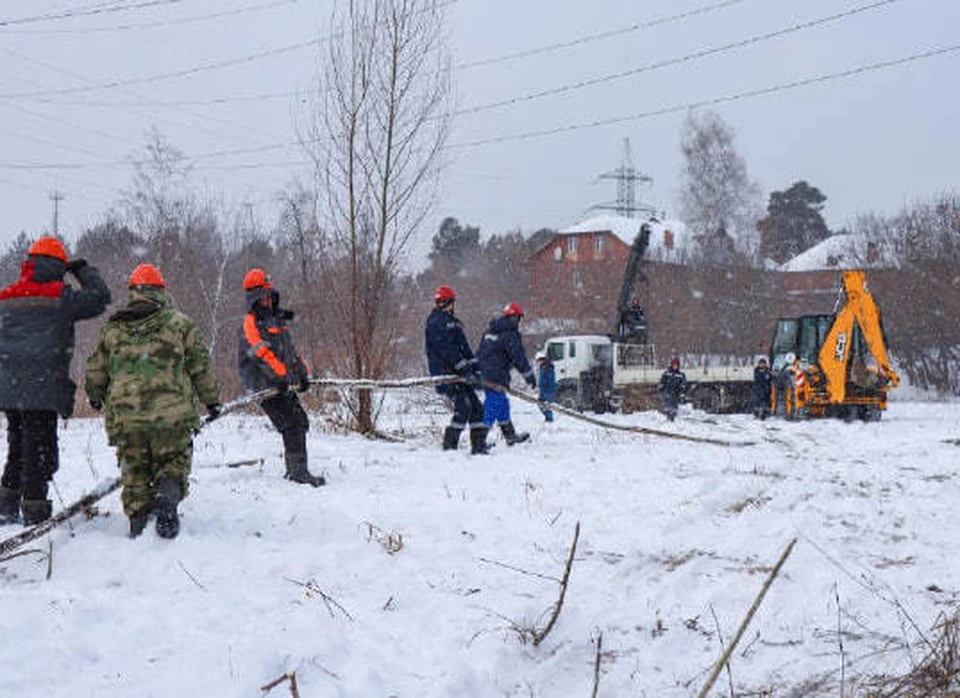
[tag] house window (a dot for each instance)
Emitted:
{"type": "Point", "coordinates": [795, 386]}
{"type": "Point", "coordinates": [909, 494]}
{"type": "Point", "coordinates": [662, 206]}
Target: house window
{"type": "Point", "coordinates": [558, 252]}
{"type": "Point", "coordinates": [572, 245]}
{"type": "Point", "coordinates": [668, 239]}
{"type": "Point", "coordinates": [598, 245]}
{"type": "Point", "coordinates": [577, 278]}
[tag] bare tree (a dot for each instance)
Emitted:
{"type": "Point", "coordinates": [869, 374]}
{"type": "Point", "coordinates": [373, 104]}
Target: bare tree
{"type": "Point", "coordinates": [717, 198]}
{"type": "Point", "coordinates": [381, 123]}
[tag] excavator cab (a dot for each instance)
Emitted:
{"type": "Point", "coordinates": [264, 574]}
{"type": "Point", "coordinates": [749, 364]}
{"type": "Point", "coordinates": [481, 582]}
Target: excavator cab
{"type": "Point", "coordinates": [833, 364]}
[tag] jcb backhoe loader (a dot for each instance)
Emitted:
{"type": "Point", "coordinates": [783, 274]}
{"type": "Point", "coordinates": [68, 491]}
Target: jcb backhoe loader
{"type": "Point", "coordinates": [833, 364]}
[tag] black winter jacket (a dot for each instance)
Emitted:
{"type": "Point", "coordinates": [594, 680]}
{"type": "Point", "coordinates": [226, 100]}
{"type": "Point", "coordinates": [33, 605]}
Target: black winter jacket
{"type": "Point", "coordinates": [266, 355]}
{"type": "Point", "coordinates": [37, 337]}
{"type": "Point", "coordinates": [502, 349]}
{"type": "Point", "coordinates": [448, 351]}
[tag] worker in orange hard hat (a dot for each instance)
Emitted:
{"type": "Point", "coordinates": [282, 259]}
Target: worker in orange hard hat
{"type": "Point", "coordinates": [147, 366]}
{"type": "Point", "coordinates": [267, 358]}
{"type": "Point", "coordinates": [37, 315]}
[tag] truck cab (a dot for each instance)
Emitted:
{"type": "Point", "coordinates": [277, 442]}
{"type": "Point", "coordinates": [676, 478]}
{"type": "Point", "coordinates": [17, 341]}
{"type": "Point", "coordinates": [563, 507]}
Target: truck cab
{"type": "Point", "coordinates": [584, 368]}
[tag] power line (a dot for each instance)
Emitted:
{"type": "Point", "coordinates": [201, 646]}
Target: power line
{"type": "Point", "coordinates": [160, 23]}
{"type": "Point", "coordinates": [102, 8]}
{"type": "Point", "coordinates": [783, 87]}
{"type": "Point", "coordinates": [703, 53]}
{"type": "Point", "coordinates": [600, 36]}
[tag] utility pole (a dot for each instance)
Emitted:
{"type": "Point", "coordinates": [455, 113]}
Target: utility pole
{"type": "Point", "coordinates": [628, 177]}
{"type": "Point", "coordinates": [56, 197]}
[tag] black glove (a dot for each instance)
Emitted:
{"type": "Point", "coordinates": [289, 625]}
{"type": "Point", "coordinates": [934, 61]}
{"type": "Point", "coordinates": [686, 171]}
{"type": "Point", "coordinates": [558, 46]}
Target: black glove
{"type": "Point", "coordinates": [213, 411]}
{"type": "Point", "coordinates": [304, 384]}
{"type": "Point", "coordinates": [531, 381]}
{"type": "Point", "coordinates": [75, 265]}
{"type": "Point", "coordinates": [474, 379]}
{"type": "Point", "coordinates": [96, 405]}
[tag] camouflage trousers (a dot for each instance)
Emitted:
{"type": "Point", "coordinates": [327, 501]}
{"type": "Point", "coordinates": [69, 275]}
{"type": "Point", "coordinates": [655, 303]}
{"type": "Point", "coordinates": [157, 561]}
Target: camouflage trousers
{"type": "Point", "coordinates": [146, 458]}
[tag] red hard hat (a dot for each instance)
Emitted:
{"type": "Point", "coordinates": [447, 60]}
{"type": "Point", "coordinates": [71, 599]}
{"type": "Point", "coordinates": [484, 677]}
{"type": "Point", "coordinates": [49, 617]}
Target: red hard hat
{"type": "Point", "coordinates": [444, 293]}
{"type": "Point", "coordinates": [49, 247]}
{"type": "Point", "coordinates": [256, 278]}
{"type": "Point", "coordinates": [513, 309]}
{"type": "Point", "coordinates": [674, 362]}
{"type": "Point", "coordinates": [146, 275]}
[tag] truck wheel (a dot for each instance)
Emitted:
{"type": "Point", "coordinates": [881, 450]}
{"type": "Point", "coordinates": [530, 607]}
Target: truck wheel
{"type": "Point", "coordinates": [706, 399]}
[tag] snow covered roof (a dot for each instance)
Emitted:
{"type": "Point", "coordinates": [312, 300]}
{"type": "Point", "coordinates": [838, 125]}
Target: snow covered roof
{"type": "Point", "coordinates": [669, 239]}
{"type": "Point", "coordinates": [843, 251]}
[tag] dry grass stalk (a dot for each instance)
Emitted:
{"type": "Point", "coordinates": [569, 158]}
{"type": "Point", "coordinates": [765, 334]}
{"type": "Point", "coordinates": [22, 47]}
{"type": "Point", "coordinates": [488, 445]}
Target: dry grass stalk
{"type": "Point", "coordinates": [291, 677]}
{"type": "Point", "coordinates": [541, 634]}
{"type": "Point", "coordinates": [391, 542]}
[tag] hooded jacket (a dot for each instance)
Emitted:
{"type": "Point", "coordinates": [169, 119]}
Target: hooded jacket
{"type": "Point", "coordinates": [37, 337]}
{"type": "Point", "coordinates": [266, 355]}
{"type": "Point", "coordinates": [448, 351]}
{"type": "Point", "coordinates": [148, 363]}
{"type": "Point", "coordinates": [502, 349]}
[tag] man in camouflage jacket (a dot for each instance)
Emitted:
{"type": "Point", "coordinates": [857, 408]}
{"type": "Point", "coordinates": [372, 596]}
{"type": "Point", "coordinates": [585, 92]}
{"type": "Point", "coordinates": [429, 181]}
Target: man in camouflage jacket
{"type": "Point", "coordinates": [148, 363]}
{"type": "Point", "coordinates": [37, 315]}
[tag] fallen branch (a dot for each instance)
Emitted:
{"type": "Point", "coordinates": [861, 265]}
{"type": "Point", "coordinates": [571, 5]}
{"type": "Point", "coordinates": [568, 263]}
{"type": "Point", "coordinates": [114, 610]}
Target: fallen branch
{"type": "Point", "coordinates": [291, 677]}
{"type": "Point", "coordinates": [746, 621]}
{"type": "Point", "coordinates": [596, 665]}
{"type": "Point", "coordinates": [538, 636]}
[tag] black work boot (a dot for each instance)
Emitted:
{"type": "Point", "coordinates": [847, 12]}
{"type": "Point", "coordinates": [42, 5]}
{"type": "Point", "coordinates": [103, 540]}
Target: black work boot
{"type": "Point", "coordinates": [297, 470]}
{"type": "Point", "coordinates": [451, 438]}
{"type": "Point", "coordinates": [478, 441]}
{"type": "Point", "coordinates": [511, 435]}
{"type": "Point", "coordinates": [9, 505]}
{"type": "Point", "coordinates": [36, 511]}
{"type": "Point", "coordinates": [169, 495]}
{"type": "Point", "coordinates": [138, 522]}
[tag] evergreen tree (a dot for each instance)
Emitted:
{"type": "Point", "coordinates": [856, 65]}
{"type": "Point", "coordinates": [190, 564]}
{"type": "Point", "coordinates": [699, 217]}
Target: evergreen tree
{"type": "Point", "coordinates": [455, 248]}
{"type": "Point", "coordinates": [793, 223]}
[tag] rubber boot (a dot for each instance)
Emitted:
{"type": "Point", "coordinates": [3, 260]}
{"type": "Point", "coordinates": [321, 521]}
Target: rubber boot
{"type": "Point", "coordinates": [169, 495]}
{"type": "Point", "coordinates": [36, 511]}
{"type": "Point", "coordinates": [297, 470]}
{"type": "Point", "coordinates": [451, 438]}
{"type": "Point", "coordinates": [478, 441]}
{"type": "Point", "coordinates": [511, 435]}
{"type": "Point", "coordinates": [9, 505]}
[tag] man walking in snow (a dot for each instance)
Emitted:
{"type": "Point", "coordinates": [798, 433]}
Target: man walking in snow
{"type": "Point", "coordinates": [762, 387]}
{"type": "Point", "coordinates": [673, 387]}
{"type": "Point", "coordinates": [267, 358]}
{"type": "Point", "coordinates": [37, 314]}
{"type": "Point", "coordinates": [500, 350]}
{"type": "Point", "coordinates": [148, 364]}
{"type": "Point", "coordinates": [547, 383]}
{"type": "Point", "coordinates": [449, 353]}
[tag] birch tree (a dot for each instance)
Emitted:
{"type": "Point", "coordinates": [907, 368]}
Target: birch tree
{"type": "Point", "coordinates": [377, 138]}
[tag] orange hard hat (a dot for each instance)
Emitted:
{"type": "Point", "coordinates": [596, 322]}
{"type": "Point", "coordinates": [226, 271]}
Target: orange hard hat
{"type": "Point", "coordinates": [256, 278]}
{"type": "Point", "coordinates": [49, 247]}
{"type": "Point", "coordinates": [146, 275]}
{"type": "Point", "coordinates": [444, 293]}
{"type": "Point", "coordinates": [513, 309]}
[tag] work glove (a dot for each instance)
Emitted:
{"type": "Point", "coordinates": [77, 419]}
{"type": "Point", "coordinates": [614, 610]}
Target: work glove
{"type": "Point", "coordinates": [96, 405]}
{"type": "Point", "coordinates": [304, 384]}
{"type": "Point", "coordinates": [531, 380]}
{"type": "Point", "coordinates": [474, 379]}
{"type": "Point", "coordinates": [213, 411]}
{"type": "Point", "coordinates": [74, 265]}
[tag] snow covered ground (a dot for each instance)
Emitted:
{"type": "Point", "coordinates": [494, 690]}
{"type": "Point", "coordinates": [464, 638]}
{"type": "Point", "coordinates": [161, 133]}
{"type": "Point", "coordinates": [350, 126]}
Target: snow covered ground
{"type": "Point", "coordinates": [419, 573]}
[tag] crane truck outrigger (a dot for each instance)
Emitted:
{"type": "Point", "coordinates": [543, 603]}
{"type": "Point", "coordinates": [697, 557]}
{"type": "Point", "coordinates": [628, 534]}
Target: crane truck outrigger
{"type": "Point", "coordinates": [834, 364]}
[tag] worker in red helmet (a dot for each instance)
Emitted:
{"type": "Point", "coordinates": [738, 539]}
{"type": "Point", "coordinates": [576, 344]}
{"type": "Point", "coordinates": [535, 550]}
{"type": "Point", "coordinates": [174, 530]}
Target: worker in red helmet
{"type": "Point", "coordinates": [449, 353]}
{"type": "Point", "coordinates": [37, 315]}
{"type": "Point", "coordinates": [267, 358]}
{"type": "Point", "coordinates": [149, 364]}
{"type": "Point", "coordinates": [501, 349]}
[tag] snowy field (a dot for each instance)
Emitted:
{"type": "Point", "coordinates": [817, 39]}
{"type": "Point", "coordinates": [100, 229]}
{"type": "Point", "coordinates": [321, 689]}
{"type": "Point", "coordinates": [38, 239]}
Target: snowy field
{"type": "Point", "coordinates": [420, 573]}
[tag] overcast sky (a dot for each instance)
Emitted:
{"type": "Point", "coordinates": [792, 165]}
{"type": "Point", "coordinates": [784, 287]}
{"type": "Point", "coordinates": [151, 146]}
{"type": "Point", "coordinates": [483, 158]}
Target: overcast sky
{"type": "Point", "coordinates": [81, 87]}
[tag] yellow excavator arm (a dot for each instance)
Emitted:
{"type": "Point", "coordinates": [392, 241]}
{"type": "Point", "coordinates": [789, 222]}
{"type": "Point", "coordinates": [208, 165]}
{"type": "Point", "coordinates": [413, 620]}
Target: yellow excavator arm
{"type": "Point", "coordinates": [861, 310]}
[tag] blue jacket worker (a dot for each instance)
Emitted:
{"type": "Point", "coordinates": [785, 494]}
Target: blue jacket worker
{"type": "Point", "coordinates": [547, 382]}
{"type": "Point", "coordinates": [673, 387]}
{"type": "Point", "coordinates": [762, 387]}
{"type": "Point", "coordinates": [500, 350]}
{"type": "Point", "coordinates": [448, 352]}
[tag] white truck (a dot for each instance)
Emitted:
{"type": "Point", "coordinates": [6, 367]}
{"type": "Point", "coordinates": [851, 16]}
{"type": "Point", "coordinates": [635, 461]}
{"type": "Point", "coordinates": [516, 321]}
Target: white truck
{"type": "Point", "coordinates": [596, 373]}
